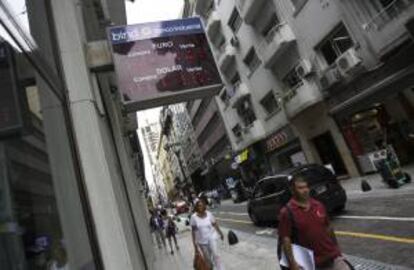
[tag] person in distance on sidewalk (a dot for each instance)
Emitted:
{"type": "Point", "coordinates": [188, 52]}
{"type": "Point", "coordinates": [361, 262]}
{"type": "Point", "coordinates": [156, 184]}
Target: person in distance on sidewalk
{"type": "Point", "coordinates": [157, 228]}
{"type": "Point", "coordinates": [204, 234]}
{"type": "Point", "coordinates": [170, 232]}
{"type": "Point", "coordinates": [304, 221]}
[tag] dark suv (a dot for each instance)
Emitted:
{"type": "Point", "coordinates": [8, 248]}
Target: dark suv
{"type": "Point", "coordinates": [272, 193]}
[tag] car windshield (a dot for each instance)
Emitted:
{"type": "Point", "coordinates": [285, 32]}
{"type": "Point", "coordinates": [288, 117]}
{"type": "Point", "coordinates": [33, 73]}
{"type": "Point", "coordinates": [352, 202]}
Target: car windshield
{"type": "Point", "coordinates": [316, 175]}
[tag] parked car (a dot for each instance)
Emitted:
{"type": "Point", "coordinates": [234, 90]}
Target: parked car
{"type": "Point", "coordinates": [272, 193]}
{"type": "Point", "coordinates": [181, 207]}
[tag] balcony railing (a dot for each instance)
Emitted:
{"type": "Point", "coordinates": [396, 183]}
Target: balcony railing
{"type": "Point", "coordinates": [301, 97]}
{"type": "Point", "coordinates": [227, 59]}
{"type": "Point", "coordinates": [387, 14]}
{"type": "Point", "coordinates": [240, 94]}
{"type": "Point", "coordinates": [290, 94]}
{"type": "Point", "coordinates": [275, 42]}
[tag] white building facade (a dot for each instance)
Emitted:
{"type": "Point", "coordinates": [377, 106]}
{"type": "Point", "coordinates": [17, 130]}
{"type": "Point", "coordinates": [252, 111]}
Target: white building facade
{"type": "Point", "coordinates": [282, 62]}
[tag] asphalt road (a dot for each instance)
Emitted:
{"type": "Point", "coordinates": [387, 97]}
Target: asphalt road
{"type": "Point", "coordinates": [379, 226]}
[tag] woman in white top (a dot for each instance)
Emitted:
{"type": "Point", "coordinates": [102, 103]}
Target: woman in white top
{"type": "Point", "coordinates": [204, 232]}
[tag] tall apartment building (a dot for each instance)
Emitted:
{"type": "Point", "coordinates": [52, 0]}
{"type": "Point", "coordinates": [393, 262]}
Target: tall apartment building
{"type": "Point", "coordinates": [164, 161]}
{"type": "Point", "coordinates": [302, 78]}
{"type": "Point", "coordinates": [179, 143]}
{"type": "Point", "coordinates": [210, 133]}
{"type": "Point", "coordinates": [151, 135]}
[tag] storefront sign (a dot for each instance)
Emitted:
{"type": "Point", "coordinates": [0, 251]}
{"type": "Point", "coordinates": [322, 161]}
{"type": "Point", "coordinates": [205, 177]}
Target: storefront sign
{"type": "Point", "coordinates": [11, 120]}
{"type": "Point", "coordinates": [163, 62]}
{"type": "Point", "coordinates": [242, 157]}
{"type": "Point", "coordinates": [279, 139]}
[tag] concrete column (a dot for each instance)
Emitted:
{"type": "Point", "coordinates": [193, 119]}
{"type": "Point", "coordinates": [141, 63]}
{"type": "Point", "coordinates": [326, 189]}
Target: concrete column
{"type": "Point", "coordinates": [114, 226]}
{"type": "Point", "coordinates": [132, 183]}
{"type": "Point", "coordinates": [64, 180]}
{"type": "Point", "coordinates": [316, 121]}
{"type": "Point", "coordinates": [343, 149]}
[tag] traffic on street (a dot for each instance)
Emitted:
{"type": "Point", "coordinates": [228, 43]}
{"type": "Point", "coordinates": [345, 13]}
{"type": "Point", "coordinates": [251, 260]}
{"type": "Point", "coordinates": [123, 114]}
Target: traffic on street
{"type": "Point", "coordinates": [377, 225]}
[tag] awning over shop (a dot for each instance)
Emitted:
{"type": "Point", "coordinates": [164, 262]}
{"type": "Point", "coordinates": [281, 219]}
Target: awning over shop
{"type": "Point", "coordinates": [400, 80]}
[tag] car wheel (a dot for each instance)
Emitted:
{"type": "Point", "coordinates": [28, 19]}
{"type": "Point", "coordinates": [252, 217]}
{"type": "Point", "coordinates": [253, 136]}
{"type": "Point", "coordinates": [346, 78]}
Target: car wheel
{"type": "Point", "coordinates": [255, 219]}
{"type": "Point", "coordinates": [340, 209]}
{"type": "Point", "coordinates": [393, 184]}
{"type": "Point", "coordinates": [407, 178]}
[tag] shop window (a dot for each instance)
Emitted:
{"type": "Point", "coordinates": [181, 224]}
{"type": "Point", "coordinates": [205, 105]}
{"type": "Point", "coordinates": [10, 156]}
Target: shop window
{"type": "Point", "coordinates": [235, 21]}
{"type": "Point", "coordinates": [31, 236]}
{"type": "Point", "coordinates": [335, 44]}
{"type": "Point", "coordinates": [270, 103]}
{"type": "Point", "coordinates": [252, 61]}
{"type": "Point", "coordinates": [237, 131]}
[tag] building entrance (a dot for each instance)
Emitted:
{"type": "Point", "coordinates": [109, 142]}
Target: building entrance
{"type": "Point", "coordinates": [328, 153]}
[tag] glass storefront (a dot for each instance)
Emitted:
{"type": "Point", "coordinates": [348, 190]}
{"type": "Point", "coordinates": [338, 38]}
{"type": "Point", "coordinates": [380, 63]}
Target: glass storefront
{"type": "Point", "coordinates": [390, 122]}
{"type": "Point", "coordinates": [33, 217]}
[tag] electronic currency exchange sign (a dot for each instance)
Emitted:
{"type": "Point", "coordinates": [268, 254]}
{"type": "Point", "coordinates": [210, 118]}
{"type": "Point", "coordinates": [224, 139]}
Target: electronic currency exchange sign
{"type": "Point", "coordinates": [165, 62]}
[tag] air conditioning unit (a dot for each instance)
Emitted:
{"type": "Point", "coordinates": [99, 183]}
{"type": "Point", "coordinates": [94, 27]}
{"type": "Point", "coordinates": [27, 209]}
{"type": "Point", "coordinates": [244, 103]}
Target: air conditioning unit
{"type": "Point", "coordinates": [304, 68]}
{"type": "Point", "coordinates": [348, 61]}
{"type": "Point", "coordinates": [330, 77]}
{"type": "Point", "coordinates": [234, 41]}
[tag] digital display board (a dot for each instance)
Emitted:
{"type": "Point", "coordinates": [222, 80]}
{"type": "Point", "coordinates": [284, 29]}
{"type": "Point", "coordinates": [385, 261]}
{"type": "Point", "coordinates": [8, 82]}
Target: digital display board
{"type": "Point", "coordinates": [163, 62]}
{"type": "Point", "coordinates": [10, 115]}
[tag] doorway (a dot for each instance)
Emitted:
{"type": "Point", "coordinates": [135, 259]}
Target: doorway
{"type": "Point", "coordinates": [328, 152]}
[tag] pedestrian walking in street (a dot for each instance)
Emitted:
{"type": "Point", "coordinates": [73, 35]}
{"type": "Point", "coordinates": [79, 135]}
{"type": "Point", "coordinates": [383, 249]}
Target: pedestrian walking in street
{"type": "Point", "coordinates": [157, 228]}
{"type": "Point", "coordinates": [205, 231]}
{"type": "Point", "coordinates": [171, 231]}
{"type": "Point", "coordinates": [304, 222]}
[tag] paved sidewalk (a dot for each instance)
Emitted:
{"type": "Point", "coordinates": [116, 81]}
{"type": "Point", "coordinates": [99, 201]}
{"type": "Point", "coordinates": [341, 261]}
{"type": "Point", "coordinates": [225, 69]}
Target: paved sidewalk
{"type": "Point", "coordinates": [251, 253]}
{"type": "Point", "coordinates": [353, 185]}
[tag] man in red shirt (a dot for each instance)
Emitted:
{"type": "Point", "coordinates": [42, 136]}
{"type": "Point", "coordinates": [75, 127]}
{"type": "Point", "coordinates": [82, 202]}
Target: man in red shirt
{"type": "Point", "coordinates": [304, 221]}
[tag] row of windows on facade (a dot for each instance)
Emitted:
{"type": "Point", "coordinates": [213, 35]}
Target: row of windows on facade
{"type": "Point", "coordinates": [331, 48]}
